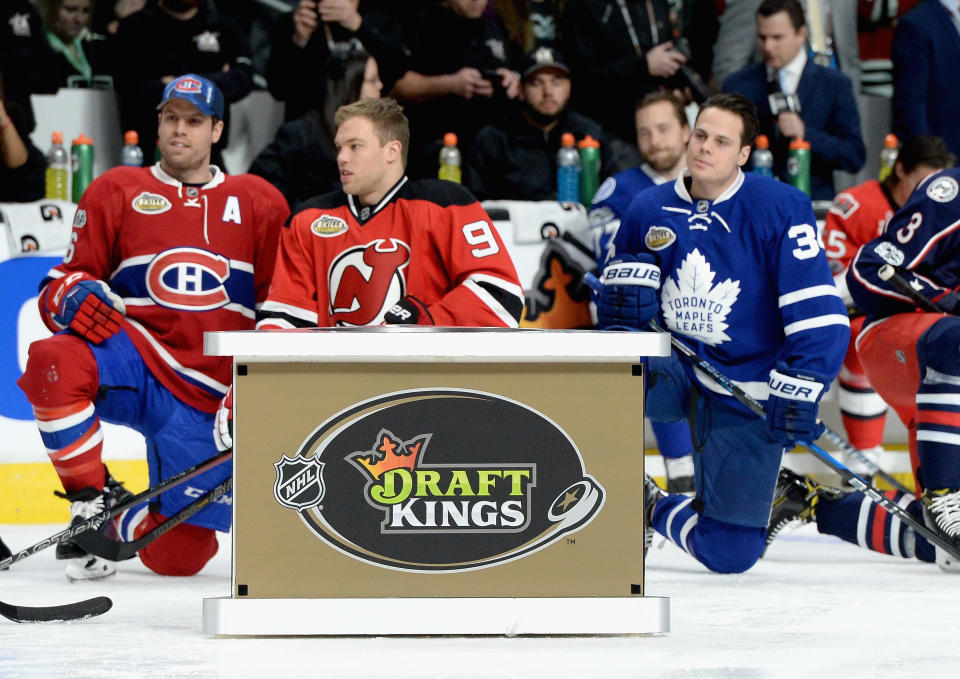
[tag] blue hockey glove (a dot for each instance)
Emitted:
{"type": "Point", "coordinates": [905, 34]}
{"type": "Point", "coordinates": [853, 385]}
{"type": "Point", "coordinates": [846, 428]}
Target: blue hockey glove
{"type": "Point", "coordinates": [792, 406]}
{"type": "Point", "coordinates": [628, 297]}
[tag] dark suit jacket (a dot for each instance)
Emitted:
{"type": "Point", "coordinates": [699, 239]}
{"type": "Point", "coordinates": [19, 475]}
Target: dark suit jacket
{"type": "Point", "coordinates": [926, 56]}
{"type": "Point", "coordinates": [829, 115]}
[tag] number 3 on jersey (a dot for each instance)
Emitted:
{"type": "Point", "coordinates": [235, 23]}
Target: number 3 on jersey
{"type": "Point", "coordinates": [808, 241]}
{"type": "Point", "coordinates": [479, 233]}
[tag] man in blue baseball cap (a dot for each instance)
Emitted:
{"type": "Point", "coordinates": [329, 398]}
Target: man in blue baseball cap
{"type": "Point", "coordinates": [190, 123]}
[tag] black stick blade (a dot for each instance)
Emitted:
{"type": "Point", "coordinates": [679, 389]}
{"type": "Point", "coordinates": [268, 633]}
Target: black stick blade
{"type": "Point", "coordinates": [5, 552]}
{"type": "Point", "coordinates": [80, 610]}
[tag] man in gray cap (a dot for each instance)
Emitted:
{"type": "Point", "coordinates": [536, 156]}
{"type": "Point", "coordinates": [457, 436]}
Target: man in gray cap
{"type": "Point", "coordinates": [519, 161]}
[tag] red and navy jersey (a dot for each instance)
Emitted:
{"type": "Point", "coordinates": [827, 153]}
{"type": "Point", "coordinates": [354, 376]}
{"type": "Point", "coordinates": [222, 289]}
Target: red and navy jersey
{"type": "Point", "coordinates": [922, 240]}
{"type": "Point", "coordinates": [185, 259]}
{"type": "Point", "coordinates": [344, 264]}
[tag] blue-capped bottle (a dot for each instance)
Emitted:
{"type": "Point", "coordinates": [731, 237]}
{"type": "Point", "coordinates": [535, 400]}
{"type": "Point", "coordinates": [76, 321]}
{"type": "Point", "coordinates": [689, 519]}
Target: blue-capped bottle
{"type": "Point", "coordinates": [762, 157]}
{"type": "Point", "coordinates": [568, 170]}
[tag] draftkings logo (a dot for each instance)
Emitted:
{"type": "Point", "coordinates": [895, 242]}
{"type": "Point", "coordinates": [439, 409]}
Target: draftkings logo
{"type": "Point", "coordinates": [403, 477]}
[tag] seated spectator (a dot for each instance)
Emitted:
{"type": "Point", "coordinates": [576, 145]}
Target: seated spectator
{"type": "Point", "coordinates": [317, 29]}
{"type": "Point", "coordinates": [22, 164]}
{"type": "Point", "coordinates": [80, 54]}
{"type": "Point", "coordinates": [620, 51]}
{"type": "Point", "coordinates": [827, 115]}
{"type": "Point", "coordinates": [25, 57]}
{"type": "Point", "coordinates": [519, 160]}
{"type": "Point", "coordinates": [459, 78]}
{"type": "Point", "coordinates": [302, 159]}
{"type": "Point", "coordinates": [165, 40]}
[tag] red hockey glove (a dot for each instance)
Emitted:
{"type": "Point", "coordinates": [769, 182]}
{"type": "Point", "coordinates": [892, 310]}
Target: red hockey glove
{"type": "Point", "coordinates": [85, 305]}
{"type": "Point", "coordinates": [408, 311]}
{"type": "Point", "coordinates": [223, 423]}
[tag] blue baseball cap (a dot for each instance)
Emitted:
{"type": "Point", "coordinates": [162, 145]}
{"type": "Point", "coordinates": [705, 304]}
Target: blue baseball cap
{"type": "Point", "coordinates": [200, 92]}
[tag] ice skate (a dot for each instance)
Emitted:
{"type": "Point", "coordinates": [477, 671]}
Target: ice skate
{"type": "Point", "coordinates": [652, 493]}
{"type": "Point", "coordinates": [80, 564]}
{"type": "Point", "coordinates": [941, 512]}
{"type": "Point", "coordinates": [795, 501]}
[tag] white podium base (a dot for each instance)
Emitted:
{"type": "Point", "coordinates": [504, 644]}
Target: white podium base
{"type": "Point", "coordinates": [228, 617]}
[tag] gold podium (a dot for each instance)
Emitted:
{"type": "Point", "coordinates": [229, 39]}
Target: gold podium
{"type": "Point", "coordinates": [437, 481]}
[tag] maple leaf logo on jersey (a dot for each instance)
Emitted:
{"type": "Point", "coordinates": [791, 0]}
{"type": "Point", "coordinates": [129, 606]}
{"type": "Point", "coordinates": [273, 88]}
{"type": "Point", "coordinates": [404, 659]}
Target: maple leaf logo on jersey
{"type": "Point", "coordinates": [694, 306]}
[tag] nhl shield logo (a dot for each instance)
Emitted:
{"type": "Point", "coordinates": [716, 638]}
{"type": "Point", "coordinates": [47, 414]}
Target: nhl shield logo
{"type": "Point", "coordinates": [299, 483]}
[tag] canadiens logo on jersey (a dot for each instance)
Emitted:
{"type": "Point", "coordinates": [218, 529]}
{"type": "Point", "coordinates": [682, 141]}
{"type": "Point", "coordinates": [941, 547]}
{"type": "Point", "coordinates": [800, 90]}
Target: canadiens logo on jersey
{"type": "Point", "coordinates": [693, 305]}
{"type": "Point", "coordinates": [151, 203]}
{"type": "Point", "coordinates": [190, 279]}
{"type": "Point", "coordinates": [366, 280]}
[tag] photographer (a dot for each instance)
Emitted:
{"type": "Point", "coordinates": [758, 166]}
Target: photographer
{"type": "Point", "coordinates": [620, 50]}
{"type": "Point", "coordinates": [459, 78]}
{"type": "Point", "coordinates": [797, 98]}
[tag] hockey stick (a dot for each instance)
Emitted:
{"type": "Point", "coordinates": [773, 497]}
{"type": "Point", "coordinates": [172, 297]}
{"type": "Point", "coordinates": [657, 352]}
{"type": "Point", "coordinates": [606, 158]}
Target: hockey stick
{"type": "Point", "coordinates": [79, 610]}
{"type": "Point", "coordinates": [889, 273]}
{"type": "Point", "coordinates": [95, 521]}
{"type": "Point", "coordinates": [119, 550]}
{"type": "Point", "coordinates": [740, 395]}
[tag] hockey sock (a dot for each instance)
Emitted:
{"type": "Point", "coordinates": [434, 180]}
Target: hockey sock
{"type": "Point", "coordinates": [857, 519]}
{"type": "Point", "coordinates": [74, 441]}
{"type": "Point", "coordinates": [938, 432]}
{"type": "Point", "coordinates": [183, 550]}
{"type": "Point", "coordinates": [675, 518]}
{"type": "Point", "coordinates": [864, 415]}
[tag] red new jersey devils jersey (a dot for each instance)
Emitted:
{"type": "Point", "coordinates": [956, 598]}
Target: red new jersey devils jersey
{"type": "Point", "coordinates": [343, 264]}
{"type": "Point", "coordinates": [185, 259]}
{"type": "Point", "coordinates": [857, 216]}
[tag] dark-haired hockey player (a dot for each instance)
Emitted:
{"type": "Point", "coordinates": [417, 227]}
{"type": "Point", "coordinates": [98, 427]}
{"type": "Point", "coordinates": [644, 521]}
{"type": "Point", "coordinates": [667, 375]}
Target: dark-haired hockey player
{"type": "Point", "coordinates": [732, 265]}
{"type": "Point", "coordinates": [857, 216]}
{"type": "Point", "coordinates": [662, 136]}
{"type": "Point", "coordinates": [912, 360]}
{"type": "Point", "coordinates": [158, 255]}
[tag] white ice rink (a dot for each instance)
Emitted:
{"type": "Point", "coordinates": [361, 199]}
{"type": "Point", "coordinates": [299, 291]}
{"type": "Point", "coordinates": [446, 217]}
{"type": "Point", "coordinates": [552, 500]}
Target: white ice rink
{"type": "Point", "coordinates": [814, 607]}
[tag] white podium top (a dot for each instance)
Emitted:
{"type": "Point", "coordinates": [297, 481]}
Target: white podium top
{"type": "Point", "coordinates": [424, 344]}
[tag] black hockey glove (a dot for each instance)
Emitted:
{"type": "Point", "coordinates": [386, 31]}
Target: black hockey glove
{"type": "Point", "coordinates": [408, 311]}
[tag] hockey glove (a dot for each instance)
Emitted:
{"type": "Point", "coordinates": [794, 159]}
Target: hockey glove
{"type": "Point", "coordinates": [223, 423]}
{"type": "Point", "coordinates": [792, 406]}
{"type": "Point", "coordinates": [85, 305]}
{"type": "Point", "coordinates": [628, 297]}
{"type": "Point", "coordinates": [408, 311]}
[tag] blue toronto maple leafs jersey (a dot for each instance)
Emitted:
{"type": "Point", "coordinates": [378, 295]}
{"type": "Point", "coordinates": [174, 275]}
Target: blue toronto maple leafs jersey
{"type": "Point", "coordinates": [744, 279]}
{"type": "Point", "coordinates": [611, 201]}
{"type": "Point", "coordinates": [922, 240]}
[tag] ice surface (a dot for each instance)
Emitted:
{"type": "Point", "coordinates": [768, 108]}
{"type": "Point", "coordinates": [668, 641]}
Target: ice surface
{"type": "Point", "coordinates": [814, 607]}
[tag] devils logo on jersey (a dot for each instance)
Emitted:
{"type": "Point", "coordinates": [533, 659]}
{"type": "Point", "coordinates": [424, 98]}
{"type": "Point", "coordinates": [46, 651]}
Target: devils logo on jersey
{"type": "Point", "coordinates": [188, 278]}
{"type": "Point", "coordinates": [366, 280]}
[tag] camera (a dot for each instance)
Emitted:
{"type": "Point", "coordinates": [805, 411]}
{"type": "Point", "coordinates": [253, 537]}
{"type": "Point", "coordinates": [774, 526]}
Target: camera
{"type": "Point", "coordinates": [686, 76]}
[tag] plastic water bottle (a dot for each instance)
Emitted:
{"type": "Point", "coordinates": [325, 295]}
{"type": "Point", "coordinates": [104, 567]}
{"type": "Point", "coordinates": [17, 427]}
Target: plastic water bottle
{"type": "Point", "coordinates": [568, 170]}
{"type": "Point", "coordinates": [590, 163]}
{"type": "Point", "coordinates": [888, 155]}
{"type": "Point", "coordinates": [57, 163]}
{"type": "Point", "coordinates": [450, 159]}
{"type": "Point", "coordinates": [762, 157]}
{"type": "Point", "coordinates": [81, 160]}
{"type": "Point", "coordinates": [798, 165]}
{"type": "Point", "coordinates": [131, 156]}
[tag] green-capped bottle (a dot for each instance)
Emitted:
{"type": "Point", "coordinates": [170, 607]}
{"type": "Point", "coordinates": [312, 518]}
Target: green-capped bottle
{"type": "Point", "coordinates": [81, 161]}
{"type": "Point", "coordinates": [798, 164]}
{"type": "Point", "coordinates": [590, 168]}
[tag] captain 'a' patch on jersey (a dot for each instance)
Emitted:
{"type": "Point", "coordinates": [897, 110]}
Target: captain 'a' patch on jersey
{"type": "Point", "coordinates": [366, 280]}
{"type": "Point", "coordinates": [693, 305]}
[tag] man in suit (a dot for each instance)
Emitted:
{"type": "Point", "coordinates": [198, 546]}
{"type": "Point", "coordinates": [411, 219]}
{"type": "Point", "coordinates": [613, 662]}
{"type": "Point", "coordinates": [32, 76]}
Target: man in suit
{"type": "Point", "coordinates": [926, 52]}
{"type": "Point", "coordinates": [819, 105]}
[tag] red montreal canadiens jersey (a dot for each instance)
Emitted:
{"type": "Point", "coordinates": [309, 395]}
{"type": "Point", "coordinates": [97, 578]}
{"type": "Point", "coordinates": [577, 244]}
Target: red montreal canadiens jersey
{"type": "Point", "coordinates": [857, 216]}
{"type": "Point", "coordinates": [343, 264]}
{"type": "Point", "coordinates": [184, 259]}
